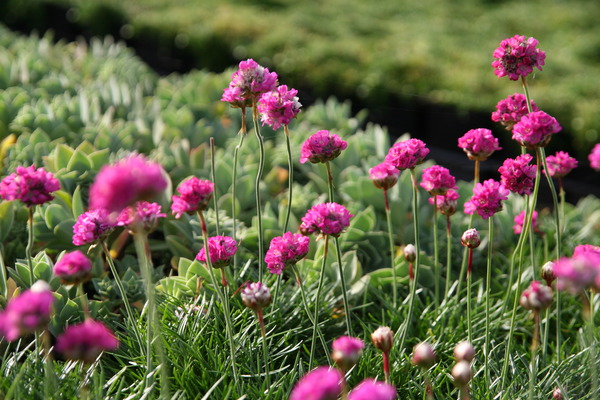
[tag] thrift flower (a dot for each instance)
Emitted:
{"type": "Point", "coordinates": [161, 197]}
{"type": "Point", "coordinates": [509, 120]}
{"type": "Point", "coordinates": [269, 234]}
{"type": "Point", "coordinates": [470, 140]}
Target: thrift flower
{"type": "Point", "coordinates": [127, 181]}
{"type": "Point", "coordinates": [487, 199]}
{"type": "Point", "coordinates": [464, 351]}
{"type": "Point", "coordinates": [142, 216]}
{"type": "Point", "coordinates": [520, 222]}
{"type": "Point", "coordinates": [322, 147]}
{"type": "Point", "coordinates": [447, 202]}
{"type": "Point", "coordinates": [437, 180]}
{"type": "Point", "coordinates": [194, 195]}
{"type": "Point", "coordinates": [548, 273]}
{"type": "Point", "coordinates": [383, 338]}
{"type": "Point", "coordinates": [471, 238]}
{"type": "Point", "coordinates": [462, 374]}
{"type": "Point", "coordinates": [286, 251]}
{"type": "Point", "coordinates": [91, 226]}
{"type": "Point", "coordinates": [594, 157]}
{"type": "Point", "coordinates": [27, 312]}
{"type": "Point", "coordinates": [86, 341]}
{"type": "Point", "coordinates": [73, 268]}
{"type": "Point", "coordinates": [423, 355]}
{"type": "Point", "coordinates": [518, 174]}
{"type": "Point", "coordinates": [322, 383]}
{"type": "Point", "coordinates": [248, 82]}
{"type": "Point", "coordinates": [536, 297]}
{"type": "Point", "coordinates": [517, 56]}
{"type": "Point", "coordinates": [509, 111]}
{"type": "Point", "coordinates": [535, 129]}
{"type": "Point", "coordinates": [560, 164]}
{"type": "Point", "coordinates": [278, 107]}
{"type": "Point", "coordinates": [479, 144]}
{"type": "Point", "coordinates": [370, 389]}
{"type": "Point", "coordinates": [578, 273]}
{"type": "Point", "coordinates": [407, 154]}
{"type": "Point", "coordinates": [221, 250]}
{"type": "Point", "coordinates": [256, 296]}
{"type": "Point", "coordinates": [384, 175]}
{"type": "Point", "coordinates": [30, 185]}
{"type": "Point", "coordinates": [346, 351]}
{"type": "Point", "coordinates": [326, 218]}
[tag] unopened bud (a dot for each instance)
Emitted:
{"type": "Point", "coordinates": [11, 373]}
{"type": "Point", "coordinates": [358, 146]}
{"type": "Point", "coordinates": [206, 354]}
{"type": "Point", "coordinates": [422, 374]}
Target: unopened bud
{"type": "Point", "coordinates": [557, 394]}
{"type": "Point", "coordinates": [346, 351]}
{"type": "Point", "coordinates": [461, 372]}
{"type": "Point", "coordinates": [256, 296]}
{"type": "Point", "coordinates": [464, 351]}
{"type": "Point", "coordinates": [471, 238]}
{"type": "Point", "coordinates": [383, 338]}
{"type": "Point", "coordinates": [536, 297]}
{"type": "Point", "coordinates": [423, 355]}
{"type": "Point", "coordinates": [548, 273]}
{"type": "Point", "coordinates": [410, 253]}
{"type": "Point", "coordinates": [40, 286]}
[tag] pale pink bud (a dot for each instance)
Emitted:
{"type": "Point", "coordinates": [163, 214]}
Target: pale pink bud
{"type": "Point", "coordinates": [383, 338]}
{"type": "Point", "coordinates": [410, 253]}
{"type": "Point", "coordinates": [464, 351]}
{"type": "Point", "coordinates": [471, 238]}
{"type": "Point", "coordinates": [461, 372]}
{"type": "Point", "coordinates": [423, 355]}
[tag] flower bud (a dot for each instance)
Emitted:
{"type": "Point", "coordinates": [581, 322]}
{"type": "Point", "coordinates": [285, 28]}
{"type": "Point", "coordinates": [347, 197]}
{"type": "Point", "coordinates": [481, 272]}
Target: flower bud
{"type": "Point", "coordinates": [548, 273]}
{"type": "Point", "coordinates": [410, 253]}
{"type": "Point", "coordinates": [471, 238]}
{"type": "Point", "coordinates": [423, 355]}
{"type": "Point", "coordinates": [464, 351]}
{"type": "Point", "coordinates": [557, 394]}
{"type": "Point", "coordinates": [346, 351]}
{"type": "Point", "coordinates": [536, 297]}
{"type": "Point", "coordinates": [461, 372]}
{"type": "Point", "coordinates": [383, 338]}
{"type": "Point", "coordinates": [256, 296]}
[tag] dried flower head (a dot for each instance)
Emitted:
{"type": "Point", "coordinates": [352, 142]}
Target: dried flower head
{"type": "Point", "coordinates": [383, 338]}
{"type": "Point", "coordinates": [92, 226]}
{"type": "Point", "coordinates": [370, 389]}
{"type": "Point", "coordinates": [322, 147]}
{"type": "Point", "coordinates": [560, 164]}
{"type": "Point", "coordinates": [517, 56]}
{"type": "Point", "coordinates": [407, 154]}
{"type": "Point", "coordinates": [479, 144]}
{"type": "Point", "coordinates": [278, 107]}
{"type": "Point", "coordinates": [446, 203]}
{"type": "Point", "coordinates": [326, 218]}
{"type": "Point", "coordinates": [256, 296]}
{"type": "Point", "coordinates": [487, 199]}
{"type": "Point", "coordinates": [536, 297]}
{"type": "Point", "coordinates": [535, 129]}
{"type": "Point", "coordinates": [384, 175]}
{"type": "Point", "coordinates": [346, 351]}
{"type": "Point", "coordinates": [194, 195]}
{"type": "Point", "coordinates": [73, 268]}
{"type": "Point", "coordinates": [30, 185]}
{"type": "Point", "coordinates": [221, 250]}
{"type": "Point", "coordinates": [86, 341]}
{"type": "Point", "coordinates": [509, 111]}
{"type": "Point", "coordinates": [517, 174]}
{"type": "Point", "coordinates": [322, 383]}
{"type": "Point", "coordinates": [286, 251]}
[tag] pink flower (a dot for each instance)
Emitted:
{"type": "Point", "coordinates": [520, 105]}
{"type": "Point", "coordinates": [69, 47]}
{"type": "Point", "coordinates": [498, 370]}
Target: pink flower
{"type": "Point", "coordinates": [509, 111]}
{"type": "Point", "coordinates": [221, 250]}
{"type": "Point", "coordinates": [586, 250]}
{"type": "Point", "coordinates": [407, 154]}
{"type": "Point", "coordinates": [446, 203]}
{"type": "Point", "coordinates": [322, 147]}
{"type": "Point", "coordinates": [579, 272]}
{"type": "Point", "coordinates": [517, 56]}
{"type": "Point", "coordinates": [326, 218]}
{"type": "Point", "coordinates": [437, 180]}
{"type": "Point", "coordinates": [27, 312]}
{"type": "Point", "coordinates": [278, 107]}
{"type": "Point", "coordinates": [286, 251]}
{"type": "Point", "coordinates": [487, 199]}
{"type": "Point", "coordinates": [194, 195]}
{"type": "Point", "coordinates": [73, 268]}
{"type": "Point", "coordinates": [256, 296]}
{"type": "Point", "coordinates": [127, 181]}
{"type": "Point", "coordinates": [248, 82]}
{"type": "Point", "coordinates": [560, 164]}
{"type": "Point", "coordinates": [536, 297]}
{"type": "Point", "coordinates": [142, 216]}
{"type": "Point", "coordinates": [384, 175]}
{"type": "Point", "coordinates": [594, 157]}
{"type": "Point", "coordinates": [370, 389]}
{"type": "Point", "coordinates": [346, 351]}
{"type": "Point", "coordinates": [479, 144]}
{"type": "Point", "coordinates": [91, 226]}
{"type": "Point", "coordinates": [471, 238]}
{"type": "Point", "coordinates": [322, 383]}
{"type": "Point", "coordinates": [86, 341]}
{"type": "Point", "coordinates": [31, 186]}
{"type": "Point", "coordinates": [518, 174]}
{"type": "Point", "coordinates": [520, 222]}
{"type": "Point", "coordinates": [535, 129]}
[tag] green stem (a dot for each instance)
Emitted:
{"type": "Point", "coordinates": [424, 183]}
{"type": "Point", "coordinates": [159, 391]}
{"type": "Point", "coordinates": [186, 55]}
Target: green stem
{"type": "Point", "coordinates": [29, 248]}
{"type": "Point", "coordinates": [436, 267]}
{"type": "Point", "coordinates": [214, 180]}
{"type": "Point", "coordinates": [290, 179]}
{"type": "Point", "coordinates": [488, 281]}
{"type": "Point", "coordinates": [534, 351]}
{"type": "Point", "coordinates": [526, 91]}
{"type": "Point", "coordinates": [338, 252]}
{"type": "Point", "coordinates": [588, 314]}
{"type": "Point", "coordinates": [233, 192]}
{"type": "Point", "coordinates": [469, 320]}
{"type": "Point", "coordinates": [448, 257]}
{"type": "Point", "coordinates": [84, 300]}
{"type": "Point", "coordinates": [329, 181]}
{"type": "Point", "coordinates": [261, 166]}
{"type": "Point", "coordinates": [263, 333]}
{"type": "Point", "coordinates": [388, 215]}
{"type": "Point", "coordinates": [317, 305]}
{"type": "Point", "coordinates": [464, 258]}
{"type": "Point", "coordinates": [3, 275]}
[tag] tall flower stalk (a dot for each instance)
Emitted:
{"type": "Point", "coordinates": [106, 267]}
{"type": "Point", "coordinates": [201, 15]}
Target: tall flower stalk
{"type": "Point", "coordinates": [471, 240]}
{"type": "Point", "coordinates": [257, 296]}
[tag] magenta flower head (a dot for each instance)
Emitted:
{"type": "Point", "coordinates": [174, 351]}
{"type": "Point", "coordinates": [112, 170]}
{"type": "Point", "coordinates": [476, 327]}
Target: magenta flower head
{"type": "Point", "coordinates": [594, 157]}
{"type": "Point", "coordinates": [127, 181]}
{"type": "Point", "coordinates": [535, 129]}
{"type": "Point", "coordinates": [437, 180]}
{"type": "Point", "coordinates": [517, 56]}
{"type": "Point", "coordinates": [248, 82]}
{"type": "Point", "coordinates": [73, 268]}
{"type": "Point", "coordinates": [446, 203]}
{"type": "Point", "coordinates": [326, 219]}
{"type": "Point", "coordinates": [407, 154]}
{"type": "Point", "coordinates": [286, 251]}
{"type": "Point", "coordinates": [92, 226]}
{"type": "Point", "coordinates": [194, 195]}
{"type": "Point", "coordinates": [536, 297]}
{"type": "Point", "coordinates": [346, 351]}
{"type": "Point", "coordinates": [30, 185]}
{"type": "Point", "coordinates": [27, 312]}
{"type": "Point", "coordinates": [423, 355]}
{"type": "Point", "coordinates": [370, 389]}
{"type": "Point", "coordinates": [560, 164]}
{"type": "Point", "coordinates": [487, 199]}
{"type": "Point", "coordinates": [509, 111]}
{"type": "Point", "coordinates": [256, 296]}
{"type": "Point", "coordinates": [384, 175]}
{"type": "Point", "coordinates": [471, 238]}
{"type": "Point", "coordinates": [322, 147]}
{"type": "Point", "coordinates": [86, 341]}
{"type": "Point", "coordinates": [520, 222]}
{"type": "Point", "coordinates": [278, 107]}
{"type": "Point", "coordinates": [142, 216]}
{"type": "Point", "coordinates": [517, 174]}
{"type": "Point", "coordinates": [221, 250]}
{"type": "Point", "coordinates": [479, 144]}
{"type": "Point", "coordinates": [322, 383]}
{"type": "Point", "coordinates": [579, 272]}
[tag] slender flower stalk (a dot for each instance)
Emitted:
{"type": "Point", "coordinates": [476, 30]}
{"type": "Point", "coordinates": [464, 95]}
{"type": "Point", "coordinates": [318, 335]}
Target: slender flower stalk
{"type": "Point", "coordinates": [471, 240]}
{"type": "Point", "coordinates": [236, 151]}
{"type": "Point", "coordinates": [488, 294]}
{"type": "Point", "coordinates": [424, 357]}
{"type": "Point", "coordinates": [257, 296]}
{"type": "Point", "coordinates": [259, 174]}
{"type": "Point", "coordinates": [588, 314]}
{"type": "Point", "coordinates": [383, 339]}
{"type": "Point", "coordinates": [290, 178]}
{"type": "Point", "coordinates": [29, 248]}
{"type": "Point", "coordinates": [214, 179]}
{"type": "Point", "coordinates": [388, 215]}
{"type": "Point", "coordinates": [317, 302]}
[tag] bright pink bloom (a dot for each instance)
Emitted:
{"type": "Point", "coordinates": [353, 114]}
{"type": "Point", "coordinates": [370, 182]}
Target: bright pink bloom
{"type": "Point", "coordinates": [479, 144]}
{"type": "Point", "coordinates": [509, 111]}
{"type": "Point", "coordinates": [579, 272]}
{"type": "Point", "coordinates": [520, 222]}
{"type": "Point", "coordinates": [370, 389]}
{"type": "Point", "coordinates": [447, 202]}
{"type": "Point", "coordinates": [27, 312]}
{"type": "Point", "coordinates": [73, 268]}
{"type": "Point", "coordinates": [286, 251]}
{"type": "Point", "coordinates": [535, 129]}
{"type": "Point", "coordinates": [249, 81]}
{"type": "Point", "coordinates": [384, 175]}
{"type": "Point", "coordinates": [256, 296]}
{"type": "Point", "coordinates": [221, 250]}
{"type": "Point", "coordinates": [322, 383]}
{"type": "Point", "coordinates": [346, 351]}
{"type": "Point", "coordinates": [322, 147]}
{"type": "Point", "coordinates": [594, 157]}
{"type": "Point", "coordinates": [536, 297]}
{"type": "Point", "coordinates": [437, 180]}
{"type": "Point", "coordinates": [326, 218]}
{"type": "Point", "coordinates": [86, 341]}
{"type": "Point", "coordinates": [518, 174]}
{"type": "Point", "coordinates": [143, 216]}
{"type": "Point", "coordinates": [407, 154]}
{"type": "Point", "coordinates": [586, 250]}
{"type": "Point", "coordinates": [31, 186]}
{"type": "Point", "coordinates": [194, 195]}
{"type": "Point", "coordinates": [487, 199]}
{"type": "Point", "coordinates": [278, 107]}
{"type": "Point", "coordinates": [517, 56]}
{"type": "Point", "coordinates": [91, 226]}
{"type": "Point", "coordinates": [560, 164]}
{"type": "Point", "coordinates": [127, 181]}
